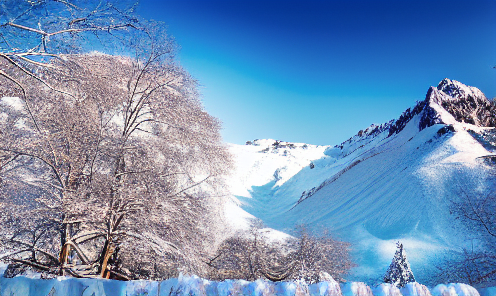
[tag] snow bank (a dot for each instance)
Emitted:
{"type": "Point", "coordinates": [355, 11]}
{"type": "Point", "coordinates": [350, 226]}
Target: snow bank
{"type": "Point", "coordinates": [415, 289]}
{"type": "Point", "coordinates": [386, 290]}
{"type": "Point", "coordinates": [455, 290]}
{"type": "Point", "coordinates": [193, 285]}
{"type": "Point", "coordinates": [325, 288]}
{"type": "Point", "coordinates": [356, 289]}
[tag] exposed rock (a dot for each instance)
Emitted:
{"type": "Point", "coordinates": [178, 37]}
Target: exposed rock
{"type": "Point", "coordinates": [467, 104]}
{"type": "Point", "coordinates": [488, 160]}
{"type": "Point", "coordinates": [486, 138]}
{"type": "Point", "coordinates": [445, 129]}
{"type": "Point", "coordinates": [430, 116]}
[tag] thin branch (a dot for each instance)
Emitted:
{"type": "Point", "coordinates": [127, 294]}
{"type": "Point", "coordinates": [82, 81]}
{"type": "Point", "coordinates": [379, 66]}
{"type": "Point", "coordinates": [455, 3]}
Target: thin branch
{"type": "Point", "coordinates": [35, 62]}
{"type": "Point", "coordinates": [14, 253]}
{"type": "Point", "coordinates": [32, 75]}
{"type": "Point", "coordinates": [132, 172]}
{"type": "Point", "coordinates": [78, 250]}
{"type": "Point", "coordinates": [2, 73]}
{"type": "Point", "coordinates": [172, 174]}
{"type": "Point", "coordinates": [72, 30]}
{"type": "Point", "coordinates": [54, 169]}
{"type": "Point", "coordinates": [9, 161]}
{"type": "Point", "coordinates": [33, 264]}
{"type": "Point", "coordinates": [35, 249]}
{"type": "Point", "coordinates": [194, 185]}
{"type": "Point", "coordinates": [83, 237]}
{"type": "Point", "coordinates": [27, 28]}
{"type": "Point", "coordinates": [68, 4]}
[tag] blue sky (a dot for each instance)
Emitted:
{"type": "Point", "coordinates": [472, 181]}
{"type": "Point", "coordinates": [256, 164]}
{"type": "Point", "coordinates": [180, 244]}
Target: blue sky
{"type": "Point", "coordinates": [319, 71]}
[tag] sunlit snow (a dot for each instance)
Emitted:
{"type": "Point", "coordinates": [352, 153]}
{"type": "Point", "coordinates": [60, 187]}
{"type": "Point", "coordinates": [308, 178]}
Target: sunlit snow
{"type": "Point", "coordinates": [372, 190]}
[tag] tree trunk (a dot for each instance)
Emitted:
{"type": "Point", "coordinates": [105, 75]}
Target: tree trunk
{"type": "Point", "coordinates": [63, 233]}
{"type": "Point", "coordinates": [64, 253]}
{"type": "Point", "coordinates": [108, 251]}
{"type": "Point", "coordinates": [63, 247]}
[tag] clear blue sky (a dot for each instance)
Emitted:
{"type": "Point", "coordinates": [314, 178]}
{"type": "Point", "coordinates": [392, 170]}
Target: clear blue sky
{"type": "Point", "coordinates": [319, 71]}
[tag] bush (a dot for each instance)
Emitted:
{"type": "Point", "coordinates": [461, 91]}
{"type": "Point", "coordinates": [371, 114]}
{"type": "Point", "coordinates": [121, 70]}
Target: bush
{"type": "Point", "coordinates": [251, 255]}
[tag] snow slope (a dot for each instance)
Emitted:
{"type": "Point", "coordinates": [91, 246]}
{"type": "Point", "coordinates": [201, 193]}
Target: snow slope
{"type": "Point", "coordinates": [389, 182]}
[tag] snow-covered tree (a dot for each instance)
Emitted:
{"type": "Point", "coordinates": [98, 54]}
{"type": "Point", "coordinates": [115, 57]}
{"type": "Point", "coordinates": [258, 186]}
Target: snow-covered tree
{"type": "Point", "coordinates": [477, 263]}
{"type": "Point", "coordinates": [399, 272]}
{"type": "Point", "coordinates": [306, 257]}
{"type": "Point", "coordinates": [107, 162]}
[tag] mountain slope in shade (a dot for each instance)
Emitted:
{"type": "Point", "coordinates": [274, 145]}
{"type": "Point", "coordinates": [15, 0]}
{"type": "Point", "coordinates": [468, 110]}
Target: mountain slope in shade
{"type": "Point", "coordinates": [390, 182]}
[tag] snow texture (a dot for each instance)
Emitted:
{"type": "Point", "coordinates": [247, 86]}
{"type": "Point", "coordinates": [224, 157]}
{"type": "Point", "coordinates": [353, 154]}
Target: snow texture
{"type": "Point", "coordinates": [190, 286]}
{"type": "Point", "coordinates": [385, 289]}
{"type": "Point", "coordinates": [457, 289]}
{"type": "Point", "coordinates": [416, 289]}
{"type": "Point", "coordinates": [374, 189]}
{"type": "Point", "coordinates": [356, 289]}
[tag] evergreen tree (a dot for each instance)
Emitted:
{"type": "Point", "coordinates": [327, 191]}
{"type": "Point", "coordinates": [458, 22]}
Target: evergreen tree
{"type": "Point", "coordinates": [399, 272]}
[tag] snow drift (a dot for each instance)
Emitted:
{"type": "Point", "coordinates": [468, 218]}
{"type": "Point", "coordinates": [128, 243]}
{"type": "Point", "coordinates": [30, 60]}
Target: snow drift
{"type": "Point", "coordinates": [194, 286]}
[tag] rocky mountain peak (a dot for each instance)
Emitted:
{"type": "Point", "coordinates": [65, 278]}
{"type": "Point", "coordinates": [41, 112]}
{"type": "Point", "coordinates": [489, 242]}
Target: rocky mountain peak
{"type": "Point", "coordinates": [458, 90]}
{"type": "Point", "coordinates": [466, 103]}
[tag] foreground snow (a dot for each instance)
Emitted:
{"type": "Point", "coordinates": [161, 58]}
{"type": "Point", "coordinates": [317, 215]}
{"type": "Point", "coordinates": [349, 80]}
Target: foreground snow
{"type": "Point", "coordinates": [24, 286]}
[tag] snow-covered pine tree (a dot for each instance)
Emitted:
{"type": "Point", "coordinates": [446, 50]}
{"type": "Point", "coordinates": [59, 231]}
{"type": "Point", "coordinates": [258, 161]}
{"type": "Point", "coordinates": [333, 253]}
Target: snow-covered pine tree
{"type": "Point", "coordinates": [399, 272]}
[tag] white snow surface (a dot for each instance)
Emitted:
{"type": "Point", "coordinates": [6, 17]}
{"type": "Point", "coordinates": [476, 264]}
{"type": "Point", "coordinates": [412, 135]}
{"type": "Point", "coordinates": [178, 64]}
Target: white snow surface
{"type": "Point", "coordinates": [193, 286]}
{"type": "Point", "coordinates": [256, 168]}
{"type": "Point", "coordinates": [372, 190]}
{"type": "Point", "coordinates": [454, 289]}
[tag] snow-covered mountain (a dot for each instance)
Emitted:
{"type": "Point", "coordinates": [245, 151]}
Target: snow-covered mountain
{"type": "Point", "coordinates": [389, 182]}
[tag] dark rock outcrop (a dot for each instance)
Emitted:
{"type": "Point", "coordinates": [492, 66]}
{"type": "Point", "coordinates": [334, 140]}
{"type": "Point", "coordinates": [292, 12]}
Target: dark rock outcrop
{"type": "Point", "coordinates": [467, 104]}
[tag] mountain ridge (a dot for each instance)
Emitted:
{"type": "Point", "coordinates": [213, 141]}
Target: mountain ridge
{"type": "Point", "coordinates": [389, 182]}
{"type": "Point", "coordinates": [451, 96]}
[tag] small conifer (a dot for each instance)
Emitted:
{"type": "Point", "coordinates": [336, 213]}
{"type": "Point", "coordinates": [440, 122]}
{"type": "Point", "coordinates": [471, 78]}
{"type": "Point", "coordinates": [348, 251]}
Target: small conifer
{"type": "Point", "coordinates": [399, 272]}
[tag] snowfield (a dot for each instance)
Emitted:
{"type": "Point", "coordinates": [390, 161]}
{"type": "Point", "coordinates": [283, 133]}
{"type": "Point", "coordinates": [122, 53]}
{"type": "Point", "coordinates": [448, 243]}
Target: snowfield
{"type": "Point", "coordinates": [375, 189]}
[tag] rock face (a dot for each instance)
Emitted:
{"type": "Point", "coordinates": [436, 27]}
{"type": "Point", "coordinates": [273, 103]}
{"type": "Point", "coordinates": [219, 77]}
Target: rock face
{"type": "Point", "coordinates": [465, 103]}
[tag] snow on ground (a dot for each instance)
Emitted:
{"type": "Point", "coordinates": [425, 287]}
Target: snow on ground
{"type": "Point", "coordinates": [372, 191]}
{"type": "Point", "coordinates": [32, 285]}
{"type": "Point", "coordinates": [194, 286]}
{"type": "Point", "coordinates": [261, 163]}
{"type": "Point", "coordinates": [13, 102]}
